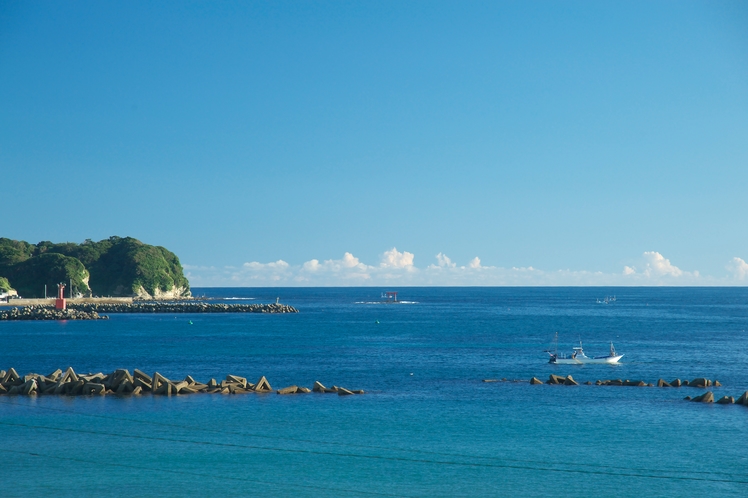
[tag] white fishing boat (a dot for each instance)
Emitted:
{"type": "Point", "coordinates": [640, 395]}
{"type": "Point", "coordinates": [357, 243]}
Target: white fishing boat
{"type": "Point", "coordinates": [578, 357]}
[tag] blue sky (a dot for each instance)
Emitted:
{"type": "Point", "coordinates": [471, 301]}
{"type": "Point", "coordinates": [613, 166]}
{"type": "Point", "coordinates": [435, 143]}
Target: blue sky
{"type": "Point", "coordinates": [560, 143]}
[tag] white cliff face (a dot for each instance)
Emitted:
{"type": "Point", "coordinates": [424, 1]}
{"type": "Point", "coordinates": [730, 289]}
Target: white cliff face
{"type": "Point", "coordinates": [174, 293]}
{"type": "Point", "coordinates": [9, 292]}
{"type": "Point", "coordinates": [85, 281]}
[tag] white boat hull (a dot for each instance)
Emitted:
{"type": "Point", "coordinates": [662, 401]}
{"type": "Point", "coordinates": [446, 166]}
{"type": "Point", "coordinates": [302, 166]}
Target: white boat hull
{"type": "Point", "coordinates": [584, 360]}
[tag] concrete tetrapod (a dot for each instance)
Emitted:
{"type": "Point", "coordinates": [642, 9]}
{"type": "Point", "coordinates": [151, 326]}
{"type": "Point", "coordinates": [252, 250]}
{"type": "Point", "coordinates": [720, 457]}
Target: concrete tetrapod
{"type": "Point", "coordinates": [700, 382]}
{"type": "Point", "coordinates": [555, 379]}
{"type": "Point", "coordinates": [569, 381]}
{"type": "Point", "coordinates": [93, 388]}
{"type": "Point", "coordinates": [707, 397]}
{"type": "Point", "coordinates": [263, 386]}
{"type": "Point", "coordinates": [11, 376]}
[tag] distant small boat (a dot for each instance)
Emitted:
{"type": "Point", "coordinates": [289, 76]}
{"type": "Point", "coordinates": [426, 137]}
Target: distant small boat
{"type": "Point", "coordinates": [389, 297]}
{"type": "Point", "coordinates": [578, 357]}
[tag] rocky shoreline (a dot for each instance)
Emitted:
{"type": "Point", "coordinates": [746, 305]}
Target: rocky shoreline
{"type": "Point", "coordinates": [699, 382]}
{"type": "Point", "coordinates": [122, 382]}
{"type": "Point", "coordinates": [91, 311]}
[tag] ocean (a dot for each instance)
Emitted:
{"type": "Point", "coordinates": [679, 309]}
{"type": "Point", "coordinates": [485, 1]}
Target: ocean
{"type": "Point", "coordinates": [427, 425]}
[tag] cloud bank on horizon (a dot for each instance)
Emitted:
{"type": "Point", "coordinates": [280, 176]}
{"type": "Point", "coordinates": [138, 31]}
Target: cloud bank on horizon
{"type": "Point", "coordinates": [398, 268]}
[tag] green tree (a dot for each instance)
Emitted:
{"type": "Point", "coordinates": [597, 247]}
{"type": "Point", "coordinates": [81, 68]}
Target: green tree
{"type": "Point", "coordinates": [30, 276]}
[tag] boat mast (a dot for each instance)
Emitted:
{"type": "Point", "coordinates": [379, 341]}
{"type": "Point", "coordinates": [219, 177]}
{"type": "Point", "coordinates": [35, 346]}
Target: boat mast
{"type": "Point", "coordinates": [555, 345]}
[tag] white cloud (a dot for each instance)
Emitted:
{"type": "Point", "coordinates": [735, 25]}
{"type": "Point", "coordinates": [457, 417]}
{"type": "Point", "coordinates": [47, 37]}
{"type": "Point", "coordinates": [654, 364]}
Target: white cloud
{"type": "Point", "coordinates": [277, 265]}
{"type": "Point", "coordinates": [395, 259]}
{"type": "Point", "coordinates": [254, 273]}
{"type": "Point", "coordinates": [444, 261]}
{"type": "Point", "coordinates": [312, 265]}
{"type": "Point", "coordinates": [347, 267]}
{"type": "Point", "coordinates": [348, 261]}
{"type": "Point", "coordinates": [398, 268]}
{"type": "Point", "coordinates": [656, 269]}
{"type": "Point", "coordinates": [656, 264]}
{"type": "Point", "coordinates": [738, 267]}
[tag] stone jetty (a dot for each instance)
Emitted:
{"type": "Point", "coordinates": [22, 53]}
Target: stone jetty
{"type": "Point", "coordinates": [182, 307]}
{"type": "Point", "coordinates": [49, 313]}
{"type": "Point", "coordinates": [91, 311]}
{"type": "Point", "coordinates": [122, 382]}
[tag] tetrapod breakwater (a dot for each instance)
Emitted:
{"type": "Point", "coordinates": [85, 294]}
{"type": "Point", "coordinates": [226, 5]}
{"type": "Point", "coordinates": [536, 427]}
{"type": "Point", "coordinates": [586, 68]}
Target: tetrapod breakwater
{"type": "Point", "coordinates": [182, 307]}
{"type": "Point", "coordinates": [699, 382]}
{"type": "Point", "coordinates": [122, 382]}
{"type": "Point", "coordinates": [94, 311]}
{"type": "Point", "coordinates": [49, 313]}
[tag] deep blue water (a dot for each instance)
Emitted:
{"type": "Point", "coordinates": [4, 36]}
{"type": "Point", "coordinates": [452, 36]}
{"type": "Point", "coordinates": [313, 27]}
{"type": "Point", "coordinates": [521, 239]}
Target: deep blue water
{"type": "Point", "coordinates": [439, 432]}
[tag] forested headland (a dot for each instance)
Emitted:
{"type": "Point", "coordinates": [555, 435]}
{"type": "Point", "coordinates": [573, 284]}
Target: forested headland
{"type": "Point", "coordinates": [117, 266]}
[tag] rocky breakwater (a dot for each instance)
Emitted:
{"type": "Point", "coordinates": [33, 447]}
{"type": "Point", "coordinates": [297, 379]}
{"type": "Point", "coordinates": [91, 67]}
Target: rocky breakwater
{"type": "Point", "coordinates": [122, 382]}
{"type": "Point", "coordinates": [181, 307]}
{"type": "Point", "coordinates": [49, 313]}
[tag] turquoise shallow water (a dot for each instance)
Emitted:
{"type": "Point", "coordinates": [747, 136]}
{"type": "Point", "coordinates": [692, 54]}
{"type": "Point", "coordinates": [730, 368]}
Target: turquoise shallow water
{"type": "Point", "coordinates": [438, 432]}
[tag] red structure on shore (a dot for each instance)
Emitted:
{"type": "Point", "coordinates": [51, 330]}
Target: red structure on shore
{"type": "Point", "coordinates": [60, 303]}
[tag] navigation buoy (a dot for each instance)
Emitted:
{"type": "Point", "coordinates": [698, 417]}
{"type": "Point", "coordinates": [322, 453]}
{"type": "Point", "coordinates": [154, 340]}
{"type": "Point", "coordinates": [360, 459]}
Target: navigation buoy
{"type": "Point", "coordinates": [377, 321]}
{"type": "Point", "coordinates": [190, 322]}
